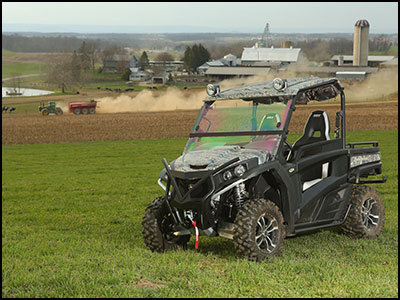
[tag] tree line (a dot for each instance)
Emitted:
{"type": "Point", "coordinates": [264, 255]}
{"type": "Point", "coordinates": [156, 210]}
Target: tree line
{"type": "Point", "coordinates": [324, 49]}
{"type": "Point", "coordinates": [19, 43]}
{"type": "Point", "coordinates": [195, 56]}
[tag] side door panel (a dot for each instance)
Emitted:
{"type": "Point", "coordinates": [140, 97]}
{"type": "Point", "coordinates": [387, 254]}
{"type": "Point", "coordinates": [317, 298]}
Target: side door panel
{"type": "Point", "coordinates": [325, 201]}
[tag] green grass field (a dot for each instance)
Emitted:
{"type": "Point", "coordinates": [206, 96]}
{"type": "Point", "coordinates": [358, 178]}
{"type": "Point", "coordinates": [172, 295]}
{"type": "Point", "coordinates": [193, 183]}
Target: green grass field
{"type": "Point", "coordinates": [16, 69]}
{"type": "Point", "coordinates": [71, 227]}
{"type": "Point", "coordinates": [5, 52]}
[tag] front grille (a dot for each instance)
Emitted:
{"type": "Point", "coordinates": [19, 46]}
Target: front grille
{"type": "Point", "coordinates": [199, 192]}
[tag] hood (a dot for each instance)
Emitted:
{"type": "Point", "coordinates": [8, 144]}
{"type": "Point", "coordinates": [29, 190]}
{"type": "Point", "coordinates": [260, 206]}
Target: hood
{"type": "Point", "coordinates": [202, 160]}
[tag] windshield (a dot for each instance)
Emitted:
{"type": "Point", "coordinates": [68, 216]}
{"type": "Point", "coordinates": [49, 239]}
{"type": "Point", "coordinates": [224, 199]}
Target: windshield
{"type": "Point", "coordinates": [247, 124]}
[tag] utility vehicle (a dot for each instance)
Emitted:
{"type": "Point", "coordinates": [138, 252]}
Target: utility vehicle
{"type": "Point", "coordinates": [240, 178]}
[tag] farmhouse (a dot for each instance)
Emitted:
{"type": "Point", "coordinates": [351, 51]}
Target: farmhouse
{"type": "Point", "coordinates": [117, 63]}
{"type": "Point", "coordinates": [137, 74]}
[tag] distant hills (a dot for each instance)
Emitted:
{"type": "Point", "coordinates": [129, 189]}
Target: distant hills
{"type": "Point", "coordinates": [76, 28]}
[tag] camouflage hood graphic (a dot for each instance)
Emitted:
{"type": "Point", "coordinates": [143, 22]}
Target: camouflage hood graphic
{"type": "Point", "coordinates": [213, 158]}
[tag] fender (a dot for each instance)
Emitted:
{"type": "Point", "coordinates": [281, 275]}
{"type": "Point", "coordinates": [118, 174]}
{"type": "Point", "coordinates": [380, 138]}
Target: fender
{"type": "Point", "coordinates": [288, 188]}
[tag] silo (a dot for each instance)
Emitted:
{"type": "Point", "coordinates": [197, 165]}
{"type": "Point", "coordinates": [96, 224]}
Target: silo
{"type": "Point", "coordinates": [360, 44]}
{"type": "Point", "coordinates": [286, 44]}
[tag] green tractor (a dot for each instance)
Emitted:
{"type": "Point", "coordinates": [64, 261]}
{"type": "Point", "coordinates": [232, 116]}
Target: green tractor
{"type": "Point", "coordinates": [50, 109]}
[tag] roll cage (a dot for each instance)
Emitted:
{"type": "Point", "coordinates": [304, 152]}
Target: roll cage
{"type": "Point", "coordinates": [299, 91]}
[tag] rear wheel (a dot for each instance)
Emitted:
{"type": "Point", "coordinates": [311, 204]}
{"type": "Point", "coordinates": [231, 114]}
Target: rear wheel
{"type": "Point", "coordinates": [259, 230]}
{"type": "Point", "coordinates": [45, 112]}
{"type": "Point", "coordinates": [59, 112]}
{"type": "Point", "coordinates": [366, 217]}
{"type": "Point", "coordinates": [157, 228]}
{"type": "Point", "coordinates": [77, 111]}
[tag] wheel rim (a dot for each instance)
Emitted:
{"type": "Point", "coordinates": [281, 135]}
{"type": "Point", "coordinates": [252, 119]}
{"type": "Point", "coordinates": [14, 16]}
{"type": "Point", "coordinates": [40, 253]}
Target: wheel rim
{"type": "Point", "coordinates": [370, 213]}
{"type": "Point", "coordinates": [267, 233]}
{"type": "Point", "coordinates": [167, 230]}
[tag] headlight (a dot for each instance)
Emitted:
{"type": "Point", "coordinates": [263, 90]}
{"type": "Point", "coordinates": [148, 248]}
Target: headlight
{"type": "Point", "coordinates": [279, 84]}
{"type": "Point", "coordinates": [227, 175]}
{"type": "Point", "coordinates": [212, 89]}
{"type": "Point", "coordinates": [239, 170]}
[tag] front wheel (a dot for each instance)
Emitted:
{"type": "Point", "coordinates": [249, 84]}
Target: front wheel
{"type": "Point", "coordinates": [157, 228]}
{"type": "Point", "coordinates": [259, 230]}
{"type": "Point", "coordinates": [366, 217]}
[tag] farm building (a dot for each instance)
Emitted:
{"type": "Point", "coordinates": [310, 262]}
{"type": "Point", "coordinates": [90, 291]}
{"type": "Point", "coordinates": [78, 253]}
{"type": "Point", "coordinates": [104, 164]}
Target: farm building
{"type": "Point", "coordinates": [168, 66]}
{"type": "Point", "coordinates": [117, 63]}
{"type": "Point", "coordinates": [254, 61]}
{"type": "Point", "coordinates": [355, 75]}
{"type": "Point", "coordinates": [160, 78]}
{"type": "Point", "coordinates": [228, 60]}
{"type": "Point", "coordinates": [394, 63]}
{"type": "Point", "coordinates": [138, 74]}
{"type": "Point", "coordinates": [347, 60]}
{"type": "Point", "coordinates": [237, 71]}
{"type": "Point", "coordinates": [284, 56]}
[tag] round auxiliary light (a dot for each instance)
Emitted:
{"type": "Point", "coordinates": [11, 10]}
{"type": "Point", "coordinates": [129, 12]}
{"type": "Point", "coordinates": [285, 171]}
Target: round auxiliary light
{"type": "Point", "coordinates": [239, 170]}
{"type": "Point", "coordinates": [212, 89]}
{"type": "Point", "coordinates": [279, 84]}
{"type": "Point", "coordinates": [227, 175]}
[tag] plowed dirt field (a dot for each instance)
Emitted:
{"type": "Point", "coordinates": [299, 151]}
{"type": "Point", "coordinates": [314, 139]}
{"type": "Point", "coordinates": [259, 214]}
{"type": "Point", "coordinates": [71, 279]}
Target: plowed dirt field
{"type": "Point", "coordinates": [36, 129]}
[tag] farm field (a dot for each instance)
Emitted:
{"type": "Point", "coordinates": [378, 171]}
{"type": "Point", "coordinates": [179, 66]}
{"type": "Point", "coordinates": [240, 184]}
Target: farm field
{"type": "Point", "coordinates": [71, 227]}
{"type": "Point", "coordinates": [32, 128]}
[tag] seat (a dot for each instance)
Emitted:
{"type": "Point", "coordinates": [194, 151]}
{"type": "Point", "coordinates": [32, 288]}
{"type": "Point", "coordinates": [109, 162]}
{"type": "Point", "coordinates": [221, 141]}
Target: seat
{"type": "Point", "coordinates": [318, 121]}
{"type": "Point", "coordinates": [271, 121]}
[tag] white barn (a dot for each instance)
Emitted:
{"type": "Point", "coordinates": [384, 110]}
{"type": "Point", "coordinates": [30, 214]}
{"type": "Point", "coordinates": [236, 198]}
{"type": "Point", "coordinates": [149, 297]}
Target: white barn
{"type": "Point", "coordinates": [251, 56]}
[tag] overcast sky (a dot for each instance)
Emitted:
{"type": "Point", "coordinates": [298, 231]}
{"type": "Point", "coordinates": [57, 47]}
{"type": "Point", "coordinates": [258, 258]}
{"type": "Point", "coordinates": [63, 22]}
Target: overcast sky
{"type": "Point", "coordinates": [283, 17]}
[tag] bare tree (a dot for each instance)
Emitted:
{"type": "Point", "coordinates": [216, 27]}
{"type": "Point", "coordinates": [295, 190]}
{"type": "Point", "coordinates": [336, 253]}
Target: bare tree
{"type": "Point", "coordinates": [164, 56]}
{"type": "Point", "coordinates": [92, 50]}
{"type": "Point", "coordinates": [66, 72]}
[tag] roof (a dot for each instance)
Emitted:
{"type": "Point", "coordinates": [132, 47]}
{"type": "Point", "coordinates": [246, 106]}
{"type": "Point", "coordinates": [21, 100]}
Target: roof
{"type": "Point", "coordinates": [237, 70]}
{"type": "Point", "coordinates": [271, 54]}
{"type": "Point", "coordinates": [217, 62]}
{"type": "Point", "coordinates": [119, 57]}
{"type": "Point", "coordinates": [335, 69]}
{"type": "Point", "coordinates": [230, 56]}
{"type": "Point", "coordinates": [266, 90]}
{"type": "Point", "coordinates": [370, 57]}
{"type": "Point", "coordinates": [362, 23]}
{"type": "Point", "coordinates": [350, 73]}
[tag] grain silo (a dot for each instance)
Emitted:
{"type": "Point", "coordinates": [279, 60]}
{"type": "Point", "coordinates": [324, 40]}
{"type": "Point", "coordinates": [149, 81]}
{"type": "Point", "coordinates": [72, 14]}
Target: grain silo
{"type": "Point", "coordinates": [286, 44]}
{"type": "Point", "coordinates": [360, 44]}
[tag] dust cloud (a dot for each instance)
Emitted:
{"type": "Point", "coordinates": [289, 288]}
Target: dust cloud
{"type": "Point", "coordinates": [149, 101]}
{"type": "Point", "coordinates": [374, 87]}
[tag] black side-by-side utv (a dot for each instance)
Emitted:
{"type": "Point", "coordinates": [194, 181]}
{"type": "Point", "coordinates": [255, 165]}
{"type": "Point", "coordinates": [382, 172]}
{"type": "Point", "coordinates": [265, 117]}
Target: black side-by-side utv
{"type": "Point", "coordinates": [240, 178]}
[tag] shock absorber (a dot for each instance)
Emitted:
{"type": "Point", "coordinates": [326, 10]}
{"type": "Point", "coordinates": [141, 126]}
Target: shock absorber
{"type": "Point", "coordinates": [240, 194]}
